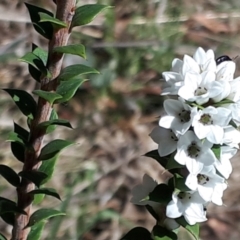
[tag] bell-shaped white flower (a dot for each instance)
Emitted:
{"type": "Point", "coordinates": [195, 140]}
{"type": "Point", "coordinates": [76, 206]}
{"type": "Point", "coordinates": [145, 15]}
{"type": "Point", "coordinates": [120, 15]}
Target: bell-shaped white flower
{"type": "Point", "coordinates": [141, 191]}
{"type": "Point", "coordinates": [200, 88]}
{"type": "Point", "coordinates": [231, 136]}
{"type": "Point", "coordinates": [223, 165]}
{"type": "Point", "coordinates": [179, 117]}
{"type": "Point", "coordinates": [209, 122]}
{"type": "Point", "coordinates": [166, 140]}
{"type": "Point", "coordinates": [225, 71]}
{"type": "Point", "coordinates": [209, 185]}
{"type": "Point", "coordinates": [193, 153]}
{"type": "Point", "coordinates": [187, 204]}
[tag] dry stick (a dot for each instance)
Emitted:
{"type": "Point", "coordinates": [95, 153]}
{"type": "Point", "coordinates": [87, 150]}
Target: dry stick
{"type": "Point", "coordinates": [65, 12]}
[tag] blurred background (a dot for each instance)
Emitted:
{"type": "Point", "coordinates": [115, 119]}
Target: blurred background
{"type": "Point", "coordinates": [114, 112]}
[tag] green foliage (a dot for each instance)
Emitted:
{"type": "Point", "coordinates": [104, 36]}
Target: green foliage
{"type": "Point", "coordinates": [59, 122]}
{"type": "Point", "coordinates": [10, 175]}
{"type": "Point", "coordinates": [193, 229]}
{"type": "Point", "coordinates": [2, 237]}
{"type": "Point", "coordinates": [68, 89]}
{"type": "Point", "coordinates": [43, 28]}
{"type": "Point", "coordinates": [43, 214]}
{"type": "Point", "coordinates": [24, 101]}
{"type": "Point", "coordinates": [8, 206]}
{"type": "Point", "coordinates": [85, 14]}
{"type": "Point", "coordinates": [162, 193]}
{"type": "Point", "coordinates": [46, 191]}
{"type": "Point", "coordinates": [161, 233]}
{"type": "Point", "coordinates": [44, 17]}
{"type": "Point", "coordinates": [138, 233]}
{"type": "Point", "coordinates": [76, 49]}
{"type": "Point", "coordinates": [36, 231]}
{"type": "Point", "coordinates": [48, 96]}
{"type": "Point", "coordinates": [74, 71]}
{"type": "Point", "coordinates": [34, 176]}
{"type": "Point", "coordinates": [53, 148]}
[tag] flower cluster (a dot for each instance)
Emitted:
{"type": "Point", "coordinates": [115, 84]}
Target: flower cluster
{"type": "Point", "coordinates": [199, 131]}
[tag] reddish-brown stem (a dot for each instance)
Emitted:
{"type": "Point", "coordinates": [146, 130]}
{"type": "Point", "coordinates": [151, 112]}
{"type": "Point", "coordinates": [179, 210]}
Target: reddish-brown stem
{"type": "Point", "coordinates": [65, 12]}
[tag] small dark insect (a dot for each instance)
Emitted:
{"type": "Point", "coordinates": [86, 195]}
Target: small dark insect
{"type": "Point", "coordinates": [223, 59]}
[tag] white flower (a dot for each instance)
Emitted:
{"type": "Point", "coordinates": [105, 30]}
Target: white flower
{"type": "Point", "coordinates": [223, 165]}
{"type": "Point", "coordinates": [209, 185]}
{"type": "Point", "coordinates": [173, 78]}
{"type": "Point", "coordinates": [231, 136]}
{"type": "Point", "coordinates": [225, 71]}
{"type": "Point", "coordinates": [166, 140]}
{"type": "Point", "coordinates": [200, 88]}
{"type": "Point", "coordinates": [179, 116]}
{"type": "Point", "coordinates": [193, 153]}
{"type": "Point", "coordinates": [209, 122]}
{"type": "Point", "coordinates": [226, 90]}
{"type": "Point", "coordinates": [187, 204]}
{"type": "Point", "coordinates": [141, 191]}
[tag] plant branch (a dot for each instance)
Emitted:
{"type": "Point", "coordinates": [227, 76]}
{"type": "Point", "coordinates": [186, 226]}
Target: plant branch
{"type": "Point", "coordinates": [65, 12]}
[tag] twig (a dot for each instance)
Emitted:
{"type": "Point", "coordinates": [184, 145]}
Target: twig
{"type": "Point", "coordinates": [65, 10]}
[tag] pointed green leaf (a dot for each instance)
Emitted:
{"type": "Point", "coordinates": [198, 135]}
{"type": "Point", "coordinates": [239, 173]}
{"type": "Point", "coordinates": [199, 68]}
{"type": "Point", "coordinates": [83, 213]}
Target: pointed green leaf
{"type": "Point", "coordinates": [44, 28]}
{"type": "Point", "coordinates": [9, 217]}
{"type": "Point", "coordinates": [36, 231]}
{"type": "Point", "coordinates": [137, 233]}
{"type": "Point", "coordinates": [68, 89]}
{"type": "Point", "coordinates": [43, 214]}
{"type": "Point", "coordinates": [53, 116]}
{"type": "Point", "coordinates": [40, 53]}
{"type": "Point", "coordinates": [162, 193]}
{"type": "Point", "coordinates": [216, 150]}
{"type": "Point", "coordinates": [36, 177]}
{"type": "Point", "coordinates": [222, 102]}
{"type": "Point", "coordinates": [75, 70]}
{"type": "Point", "coordinates": [53, 148]}
{"type": "Point", "coordinates": [161, 233]}
{"type": "Point", "coordinates": [48, 168]}
{"type": "Point", "coordinates": [47, 191]}
{"type": "Point", "coordinates": [193, 229]}
{"type": "Point", "coordinates": [76, 49]}
{"type": "Point", "coordinates": [44, 17]}
{"type": "Point", "coordinates": [2, 237]}
{"type": "Point", "coordinates": [86, 13]}
{"type": "Point", "coordinates": [48, 96]}
{"type": "Point", "coordinates": [18, 151]}
{"type": "Point", "coordinates": [38, 198]}
{"type": "Point", "coordinates": [10, 175]}
{"type": "Point", "coordinates": [60, 122]}
{"type": "Point", "coordinates": [24, 101]}
{"type": "Point", "coordinates": [179, 183]}
{"type": "Point", "coordinates": [8, 206]}
{"type": "Point", "coordinates": [155, 155]}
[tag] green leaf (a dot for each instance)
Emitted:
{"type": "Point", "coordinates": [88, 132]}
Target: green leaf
{"type": "Point", "coordinates": [161, 233]}
{"type": "Point", "coordinates": [36, 177]}
{"type": "Point", "coordinates": [43, 56]}
{"type": "Point", "coordinates": [48, 96]}
{"type": "Point", "coordinates": [222, 102]}
{"type": "Point", "coordinates": [137, 233]}
{"type": "Point", "coordinates": [18, 148]}
{"type": "Point", "coordinates": [179, 183]}
{"type": "Point", "coordinates": [8, 206]}
{"type": "Point", "coordinates": [85, 14]}
{"type": "Point", "coordinates": [151, 210]}
{"type": "Point", "coordinates": [44, 17]}
{"type": "Point", "coordinates": [53, 148]}
{"type": "Point", "coordinates": [76, 49]}
{"type": "Point", "coordinates": [9, 218]}
{"type": "Point", "coordinates": [60, 122]}
{"type": "Point", "coordinates": [36, 231]}
{"type": "Point", "coordinates": [44, 28]}
{"type": "Point", "coordinates": [48, 168]}
{"type": "Point", "coordinates": [24, 101]}
{"type": "Point", "coordinates": [172, 163]}
{"type": "Point", "coordinates": [75, 70]}
{"type": "Point", "coordinates": [193, 229]}
{"type": "Point", "coordinates": [10, 175]}
{"type": "Point", "coordinates": [162, 193]}
{"type": "Point", "coordinates": [43, 214]}
{"type": "Point", "coordinates": [155, 155]}
{"type": "Point", "coordinates": [47, 191]}
{"type": "Point", "coordinates": [38, 198]}
{"type": "Point", "coordinates": [2, 237]}
{"type": "Point", "coordinates": [216, 150]}
{"type": "Point", "coordinates": [68, 89]}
